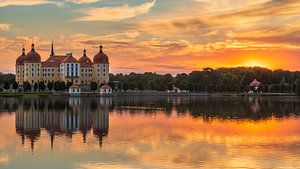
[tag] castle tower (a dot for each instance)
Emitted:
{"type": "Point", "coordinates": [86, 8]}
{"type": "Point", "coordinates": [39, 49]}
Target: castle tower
{"type": "Point", "coordinates": [20, 68]}
{"type": "Point", "coordinates": [32, 66]}
{"type": "Point", "coordinates": [101, 67]}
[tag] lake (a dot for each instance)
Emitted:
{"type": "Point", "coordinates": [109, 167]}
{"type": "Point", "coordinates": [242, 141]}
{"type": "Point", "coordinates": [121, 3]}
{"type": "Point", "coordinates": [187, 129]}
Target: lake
{"type": "Point", "coordinates": [150, 132]}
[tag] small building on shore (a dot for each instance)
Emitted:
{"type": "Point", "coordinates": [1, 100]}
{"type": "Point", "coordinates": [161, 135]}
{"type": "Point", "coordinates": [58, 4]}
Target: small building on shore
{"type": "Point", "coordinates": [105, 90]}
{"type": "Point", "coordinates": [254, 86]}
{"type": "Point", "coordinates": [75, 90]}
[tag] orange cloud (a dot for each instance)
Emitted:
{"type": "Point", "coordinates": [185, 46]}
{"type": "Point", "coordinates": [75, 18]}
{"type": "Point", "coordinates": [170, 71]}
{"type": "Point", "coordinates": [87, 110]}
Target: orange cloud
{"type": "Point", "coordinates": [115, 13]}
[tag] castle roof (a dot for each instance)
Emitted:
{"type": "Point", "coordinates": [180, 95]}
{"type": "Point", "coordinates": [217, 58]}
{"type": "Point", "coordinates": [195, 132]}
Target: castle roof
{"type": "Point", "coordinates": [32, 56]}
{"type": "Point", "coordinates": [85, 62]}
{"type": "Point", "coordinates": [54, 61]}
{"type": "Point", "coordinates": [70, 59]}
{"type": "Point", "coordinates": [100, 57]}
{"type": "Point", "coordinates": [21, 58]}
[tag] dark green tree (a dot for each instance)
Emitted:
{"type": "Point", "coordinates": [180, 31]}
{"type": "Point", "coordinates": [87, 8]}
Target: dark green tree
{"type": "Point", "coordinates": [93, 86]}
{"type": "Point", "coordinates": [15, 85]}
{"type": "Point", "coordinates": [140, 86]}
{"type": "Point", "coordinates": [297, 82]}
{"type": "Point", "coordinates": [26, 86]}
{"type": "Point", "coordinates": [125, 86]}
{"type": "Point", "coordinates": [50, 86]}
{"type": "Point", "coordinates": [69, 84]}
{"type": "Point", "coordinates": [35, 86]}
{"type": "Point", "coordinates": [57, 86]}
{"type": "Point", "coordinates": [6, 85]}
{"type": "Point", "coordinates": [42, 86]}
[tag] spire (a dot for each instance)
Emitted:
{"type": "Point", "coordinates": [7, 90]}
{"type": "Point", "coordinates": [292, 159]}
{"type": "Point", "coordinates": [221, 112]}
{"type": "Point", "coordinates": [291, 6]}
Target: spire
{"type": "Point", "coordinates": [52, 50]}
{"type": "Point", "coordinates": [23, 51]}
{"type": "Point", "coordinates": [32, 47]}
{"type": "Point", "coordinates": [84, 52]}
{"type": "Point", "coordinates": [101, 48]}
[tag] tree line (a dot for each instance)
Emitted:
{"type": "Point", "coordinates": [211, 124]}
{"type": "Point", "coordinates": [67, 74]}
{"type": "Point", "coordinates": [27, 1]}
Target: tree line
{"type": "Point", "coordinates": [235, 80]}
{"type": "Point", "coordinates": [214, 80]}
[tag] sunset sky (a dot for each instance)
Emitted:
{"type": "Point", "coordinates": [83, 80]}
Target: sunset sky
{"type": "Point", "coordinates": [156, 35]}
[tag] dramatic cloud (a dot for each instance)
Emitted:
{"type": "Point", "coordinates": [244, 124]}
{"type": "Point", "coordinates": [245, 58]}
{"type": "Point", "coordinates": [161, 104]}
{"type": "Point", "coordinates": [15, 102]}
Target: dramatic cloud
{"type": "Point", "coordinates": [176, 36]}
{"type": "Point", "coordinates": [115, 13]}
{"type": "Point", "coordinates": [4, 27]}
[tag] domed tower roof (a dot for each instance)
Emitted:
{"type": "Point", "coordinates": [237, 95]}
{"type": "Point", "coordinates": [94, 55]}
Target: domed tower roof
{"type": "Point", "coordinates": [32, 56]}
{"type": "Point", "coordinates": [85, 61]}
{"type": "Point", "coordinates": [100, 58]}
{"type": "Point", "coordinates": [21, 58]}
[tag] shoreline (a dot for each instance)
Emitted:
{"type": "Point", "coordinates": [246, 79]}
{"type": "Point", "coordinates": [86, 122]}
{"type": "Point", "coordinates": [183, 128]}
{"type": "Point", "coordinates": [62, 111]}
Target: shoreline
{"type": "Point", "coordinates": [145, 94]}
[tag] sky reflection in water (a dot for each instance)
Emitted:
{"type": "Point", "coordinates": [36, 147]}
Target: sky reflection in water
{"type": "Point", "coordinates": [153, 132]}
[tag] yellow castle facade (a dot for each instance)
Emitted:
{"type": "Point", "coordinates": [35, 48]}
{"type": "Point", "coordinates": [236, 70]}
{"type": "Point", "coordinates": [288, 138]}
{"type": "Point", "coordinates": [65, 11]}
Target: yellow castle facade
{"type": "Point", "coordinates": [67, 68]}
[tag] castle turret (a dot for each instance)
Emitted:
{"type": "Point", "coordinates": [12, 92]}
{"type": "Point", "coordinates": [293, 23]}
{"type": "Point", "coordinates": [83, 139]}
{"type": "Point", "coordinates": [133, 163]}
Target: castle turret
{"type": "Point", "coordinates": [101, 67]}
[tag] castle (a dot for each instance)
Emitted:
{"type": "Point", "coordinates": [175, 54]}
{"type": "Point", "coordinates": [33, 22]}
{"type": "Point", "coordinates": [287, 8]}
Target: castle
{"type": "Point", "coordinates": [30, 68]}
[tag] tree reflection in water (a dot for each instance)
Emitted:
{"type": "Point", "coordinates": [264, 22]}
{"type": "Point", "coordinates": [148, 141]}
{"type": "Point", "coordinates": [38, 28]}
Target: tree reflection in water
{"type": "Point", "coordinates": [65, 116]}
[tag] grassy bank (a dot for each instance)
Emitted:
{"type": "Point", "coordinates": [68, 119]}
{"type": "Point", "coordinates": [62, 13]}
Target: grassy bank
{"type": "Point", "coordinates": [30, 94]}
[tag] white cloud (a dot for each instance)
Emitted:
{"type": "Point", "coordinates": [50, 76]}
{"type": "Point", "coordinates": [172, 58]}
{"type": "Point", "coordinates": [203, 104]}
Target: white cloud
{"type": "Point", "coordinates": [83, 1]}
{"type": "Point", "coordinates": [5, 27]}
{"type": "Point", "coordinates": [115, 13]}
{"type": "Point", "coordinates": [4, 3]}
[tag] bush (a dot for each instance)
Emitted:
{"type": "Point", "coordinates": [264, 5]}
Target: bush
{"type": "Point", "coordinates": [50, 86]}
{"type": "Point", "coordinates": [297, 83]}
{"type": "Point", "coordinates": [26, 86]}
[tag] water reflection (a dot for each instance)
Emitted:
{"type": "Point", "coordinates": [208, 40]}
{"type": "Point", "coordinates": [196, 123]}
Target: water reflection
{"type": "Point", "coordinates": [65, 116]}
{"type": "Point", "coordinates": [152, 132]}
{"type": "Point", "coordinates": [61, 117]}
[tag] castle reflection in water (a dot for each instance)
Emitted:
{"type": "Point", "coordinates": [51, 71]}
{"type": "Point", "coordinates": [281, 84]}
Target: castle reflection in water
{"type": "Point", "coordinates": [62, 117]}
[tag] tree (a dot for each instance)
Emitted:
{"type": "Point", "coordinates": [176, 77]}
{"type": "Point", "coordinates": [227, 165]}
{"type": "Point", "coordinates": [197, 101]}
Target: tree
{"type": "Point", "coordinates": [140, 86]}
{"type": "Point", "coordinates": [15, 85]}
{"type": "Point", "coordinates": [26, 86]}
{"type": "Point", "coordinates": [297, 86]}
{"type": "Point", "coordinates": [50, 86]}
{"type": "Point", "coordinates": [42, 86]}
{"type": "Point", "coordinates": [63, 86]}
{"type": "Point", "coordinates": [6, 86]}
{"type": "Point", "coordinates": [94, 86]}
{"type": "Point", "coordinates": [125, 86]}
{"type": "Point", "coordinates": [9, 78]}
{"type": "Point", "coordinates": [35, 86]}
{"type": "Point", "coordinates": [170, 86]}
{"type": "Point", "coordinates": [69, 84]}
{"type": "Point", "coordinates": [57, 85]}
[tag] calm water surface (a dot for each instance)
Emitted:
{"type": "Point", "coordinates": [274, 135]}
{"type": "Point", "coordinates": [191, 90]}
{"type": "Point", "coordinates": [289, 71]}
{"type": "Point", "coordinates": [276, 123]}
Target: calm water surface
{"type": "Point", "coordinates": [152, 132]}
